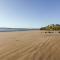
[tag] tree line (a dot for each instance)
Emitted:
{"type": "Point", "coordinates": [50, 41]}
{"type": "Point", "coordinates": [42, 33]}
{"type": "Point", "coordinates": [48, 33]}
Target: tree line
{"type": "Point", "coordinates": [51, 27]}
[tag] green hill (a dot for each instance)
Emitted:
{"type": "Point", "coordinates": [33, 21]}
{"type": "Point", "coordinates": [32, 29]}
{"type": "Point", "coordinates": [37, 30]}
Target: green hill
{"type": "Point", "coordinates": [51, 27]}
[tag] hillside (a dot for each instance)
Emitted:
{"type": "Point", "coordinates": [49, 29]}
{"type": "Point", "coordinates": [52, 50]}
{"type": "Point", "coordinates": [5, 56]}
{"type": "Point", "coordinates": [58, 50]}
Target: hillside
{"type": "Point", "coordinates": [51, 27]}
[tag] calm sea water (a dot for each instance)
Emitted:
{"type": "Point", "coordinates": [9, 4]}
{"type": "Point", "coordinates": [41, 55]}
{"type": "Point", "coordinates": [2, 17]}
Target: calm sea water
{"type": "Point", "coordinates": [15, 30]}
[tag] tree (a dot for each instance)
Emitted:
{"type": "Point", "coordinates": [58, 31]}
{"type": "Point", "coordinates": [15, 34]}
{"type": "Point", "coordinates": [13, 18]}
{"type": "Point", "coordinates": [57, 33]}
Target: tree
{"type": "Point", "coordinates": [51, 27]}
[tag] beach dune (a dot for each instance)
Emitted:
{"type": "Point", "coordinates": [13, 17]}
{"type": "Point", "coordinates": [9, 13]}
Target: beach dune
{"type": "Point", "coordinates": [31, 45]}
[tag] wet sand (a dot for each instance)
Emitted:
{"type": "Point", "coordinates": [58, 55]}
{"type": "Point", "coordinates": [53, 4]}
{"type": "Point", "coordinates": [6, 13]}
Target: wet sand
{"type": "Point", "coordinates": [32, 45]}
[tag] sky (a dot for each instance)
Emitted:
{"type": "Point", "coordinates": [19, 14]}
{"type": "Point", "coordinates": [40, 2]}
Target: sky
{"type": "Point", "coordinates": [29, 13]}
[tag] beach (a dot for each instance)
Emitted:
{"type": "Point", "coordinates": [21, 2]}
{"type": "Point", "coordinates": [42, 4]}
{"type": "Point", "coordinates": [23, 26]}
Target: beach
{"type": "Point", "coordinates": [31, 45]}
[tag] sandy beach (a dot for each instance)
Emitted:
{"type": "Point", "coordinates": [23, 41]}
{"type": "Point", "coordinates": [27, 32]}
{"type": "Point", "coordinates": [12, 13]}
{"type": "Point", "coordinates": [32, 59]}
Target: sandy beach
{"type": "Point", "coordinates": [32, 45]}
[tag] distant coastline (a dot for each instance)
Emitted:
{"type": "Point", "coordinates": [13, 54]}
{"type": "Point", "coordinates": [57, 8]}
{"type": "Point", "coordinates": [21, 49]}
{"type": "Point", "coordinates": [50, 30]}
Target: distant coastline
{"type": "Point", "coordinates": [15, 29]}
